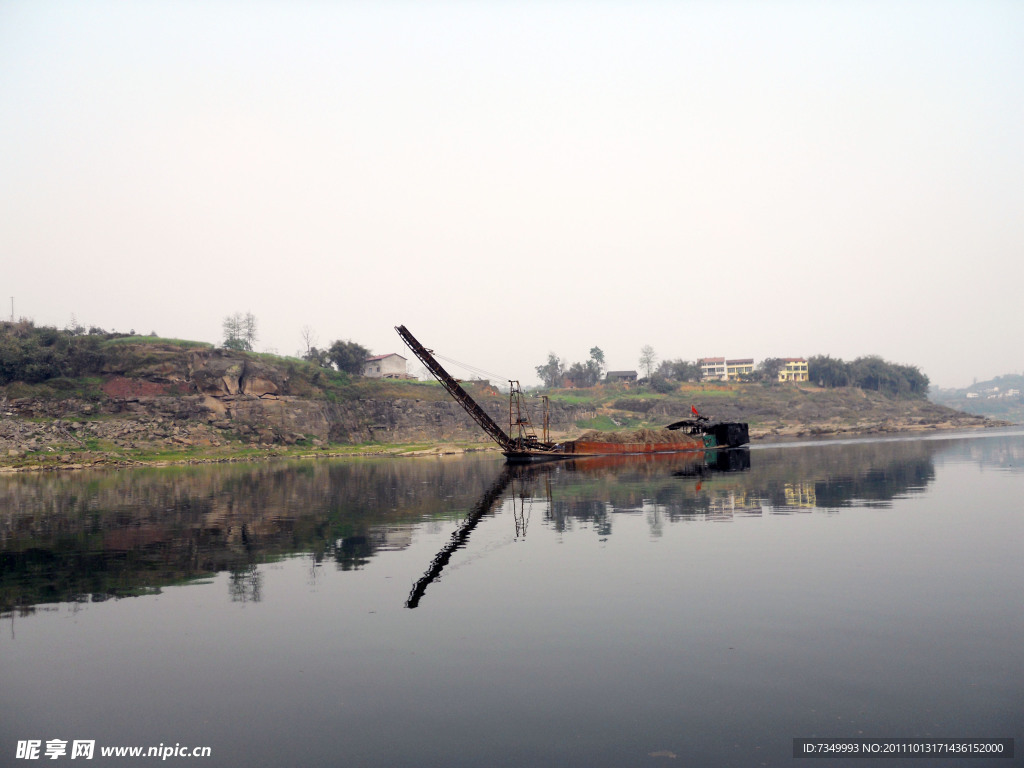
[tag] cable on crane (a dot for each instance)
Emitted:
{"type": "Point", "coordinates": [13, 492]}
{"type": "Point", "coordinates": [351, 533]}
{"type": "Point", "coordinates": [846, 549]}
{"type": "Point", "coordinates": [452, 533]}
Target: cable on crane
{"type": "Point", "coordinates": [473, 368]}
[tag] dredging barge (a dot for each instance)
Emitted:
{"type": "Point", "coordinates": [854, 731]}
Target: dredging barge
{"type": "Point", "coordinates": [687, 435]}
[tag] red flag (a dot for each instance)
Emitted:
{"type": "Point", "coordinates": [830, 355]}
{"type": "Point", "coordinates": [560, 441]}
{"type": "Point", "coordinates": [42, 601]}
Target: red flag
{"type": "Point", "coordinates": [694, 410]}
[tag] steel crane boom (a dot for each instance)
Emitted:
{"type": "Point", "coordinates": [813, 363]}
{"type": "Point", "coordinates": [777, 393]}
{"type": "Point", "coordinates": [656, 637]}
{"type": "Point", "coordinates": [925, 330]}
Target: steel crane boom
{"type": "Point", "coordinates": [455, 389]}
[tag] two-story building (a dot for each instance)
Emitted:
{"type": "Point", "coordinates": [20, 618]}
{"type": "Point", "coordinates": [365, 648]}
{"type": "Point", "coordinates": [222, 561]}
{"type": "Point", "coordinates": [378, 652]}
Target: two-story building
{"type": "Point", "coordinates": [712, 368]}
{"type": "Point", "coordinates": [793, 369]}
{"type": "Point", "coordinates": [736, 369]}
{"type": "Point", "coordinates": [390, 366]}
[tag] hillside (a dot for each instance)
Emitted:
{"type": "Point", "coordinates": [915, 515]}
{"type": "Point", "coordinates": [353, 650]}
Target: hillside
{"type": "Point", "coordinates": [130, 399]}
{"type": "Point", "coordinates": [783, 410]}
{"type": "Point", "coordinates": [998, 398]}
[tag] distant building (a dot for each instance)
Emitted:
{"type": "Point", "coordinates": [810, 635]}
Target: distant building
{"type": "Point", "coordinates": [734, 369]}
{"type": "Point", "coordinates": [626, 376]}
{"type": "Point", "coordinates": [793, 369]}
{"type": "Point", "coordinates": [390, 366]}
{"type": "Point", "coordinates": [712, 368]}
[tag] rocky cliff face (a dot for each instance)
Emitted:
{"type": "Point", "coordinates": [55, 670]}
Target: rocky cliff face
{"type": "Point", "coordinates": [210, 396]}
{"type": "Point", "coordinates": [417, 420]}
{"type": "Point", "coordinates": [214, 372]}
{"type": "Point", "coordinates": [153, 421]}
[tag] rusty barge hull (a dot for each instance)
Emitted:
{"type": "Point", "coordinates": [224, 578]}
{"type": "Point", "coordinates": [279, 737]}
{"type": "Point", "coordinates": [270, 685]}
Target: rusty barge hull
{"type": "Point", "coordinates": [584, 448]}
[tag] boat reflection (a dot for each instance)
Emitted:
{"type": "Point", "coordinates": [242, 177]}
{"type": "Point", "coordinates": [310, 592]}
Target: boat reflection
{"type": "Point", "coordinates": [689, 465]}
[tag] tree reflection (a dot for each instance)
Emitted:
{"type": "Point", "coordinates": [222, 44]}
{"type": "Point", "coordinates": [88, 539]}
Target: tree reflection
{"type": "Point", "coordinates": [93, 536]}
{"type": "Point", "coordinates": [102, 535]}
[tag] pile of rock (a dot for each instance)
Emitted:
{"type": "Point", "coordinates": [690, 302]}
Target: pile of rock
{"type": "Point", "coordinates": [647, 436]}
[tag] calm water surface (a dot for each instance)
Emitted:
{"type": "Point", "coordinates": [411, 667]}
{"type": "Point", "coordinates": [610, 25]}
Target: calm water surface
{"type": "Point", "coordinates": [452, 613]}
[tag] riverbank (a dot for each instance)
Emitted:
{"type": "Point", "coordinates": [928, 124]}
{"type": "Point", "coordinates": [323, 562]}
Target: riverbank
{"type": "Point", "coordinates": [80, 457]}
{"type": "Point", "coordinates": [156, 402]}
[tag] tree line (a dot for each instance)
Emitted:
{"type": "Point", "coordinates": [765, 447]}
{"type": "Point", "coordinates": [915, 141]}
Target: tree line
{"type": "Point", "coordinates": [347, 356]}
{"type": "Point", "coordinates": [555, 373]}
{"type": "Point", "coordinates": [34, 354]}
{"type": "Point", "coordinates": [868, 372]}
{"type": "Point", "coordinates": [558, 373]}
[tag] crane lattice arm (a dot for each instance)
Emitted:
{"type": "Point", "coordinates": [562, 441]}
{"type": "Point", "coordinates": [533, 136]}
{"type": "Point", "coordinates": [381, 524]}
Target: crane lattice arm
{"type": "Point", "coordinates": [461, 396]}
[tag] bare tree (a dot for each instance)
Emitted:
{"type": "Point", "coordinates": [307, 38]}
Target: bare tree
{"type": "Point", "coordinates": [309, 337]}
{"type": "Point", "coordinates": [232, 327]}
{"type": "Point", "coordinates": [648, 358]}
{"type": "Point", "coordinates": [249, 326]}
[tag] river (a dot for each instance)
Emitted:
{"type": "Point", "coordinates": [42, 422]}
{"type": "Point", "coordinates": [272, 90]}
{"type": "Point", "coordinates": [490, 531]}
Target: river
{"type": "Point", "coordinates": [453, 612]}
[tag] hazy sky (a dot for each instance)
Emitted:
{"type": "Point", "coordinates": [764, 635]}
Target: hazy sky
{"type": "Point", "coordinates": [746, 179]}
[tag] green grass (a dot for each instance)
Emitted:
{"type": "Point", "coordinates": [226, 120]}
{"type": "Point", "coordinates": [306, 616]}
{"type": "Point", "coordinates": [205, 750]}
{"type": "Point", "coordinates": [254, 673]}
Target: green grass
{"type": "Point", "coordinates": [84, 388]}
{"type": "Point", "coordinates": [276, 359]}
{"type": "Point", "coordinates": [710, 393]}
{"type": "Point", "coordinates": [561, 397]}
{"type": "Point", "coordinates": [642, 395]}
{"type": "Point", "coordinates": [106, 453]}
{"type": "Point", "coordinates": [186, 343]}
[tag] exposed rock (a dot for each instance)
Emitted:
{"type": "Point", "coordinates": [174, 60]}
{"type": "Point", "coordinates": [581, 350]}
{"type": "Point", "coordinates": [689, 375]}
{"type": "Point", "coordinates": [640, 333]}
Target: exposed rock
{"type": "Point", "coordinates": [260, 379]}
{"type": "Point", "coordinates": [217, 409]}
{"type": "Point", "coordinates": [216, 373]}
{"type": "Point", "coordinates": [280, 416]}
{"type": "Point", "coordinates": [163, 363]}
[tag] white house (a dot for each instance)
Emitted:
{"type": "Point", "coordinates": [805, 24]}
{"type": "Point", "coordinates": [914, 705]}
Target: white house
{"type": "Point", "coordinates": [734, 369]}
{"type": "Point", "coordinates": [712, 368]}
{"type": "Point", "coordinates": [390, 366]}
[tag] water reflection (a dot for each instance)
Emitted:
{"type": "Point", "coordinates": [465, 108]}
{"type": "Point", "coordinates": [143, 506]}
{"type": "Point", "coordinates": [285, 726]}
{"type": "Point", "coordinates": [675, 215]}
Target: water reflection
{"type": "Point", "coordinates": [649, 467]}
{"type": "Point", "coordinates": [93, 536]}
{"type": "Point", "coordinates": [485, 506]}
{"type": "Point", "coordinates": [1001, 452]}
{"type": "Point", "coordinates": [245, 584]}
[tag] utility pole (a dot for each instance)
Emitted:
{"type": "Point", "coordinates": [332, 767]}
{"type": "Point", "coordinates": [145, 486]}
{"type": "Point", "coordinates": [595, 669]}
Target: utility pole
{"type": "Point", "coordinates": [12, 309]}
